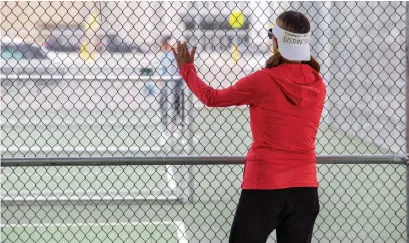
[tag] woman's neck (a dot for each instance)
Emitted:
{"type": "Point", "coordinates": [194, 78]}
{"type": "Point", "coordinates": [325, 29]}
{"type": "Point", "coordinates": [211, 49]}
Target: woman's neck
{"type": "Point", "coordinates": [291, 62]}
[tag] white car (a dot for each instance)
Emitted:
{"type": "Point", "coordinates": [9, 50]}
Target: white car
{"type": "Point", "coordinates": [19, 57]}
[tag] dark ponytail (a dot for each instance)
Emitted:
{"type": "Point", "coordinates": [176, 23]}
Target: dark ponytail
{"type": "Point", "coordinates": [313, 63]}
{"type": "Point", "coordinates": [274, 60]}
{"type": "Point", "coordinates": [277, 59]}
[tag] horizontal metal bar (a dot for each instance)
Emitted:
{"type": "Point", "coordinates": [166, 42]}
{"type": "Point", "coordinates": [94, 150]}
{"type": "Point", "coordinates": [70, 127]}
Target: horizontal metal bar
{"type": "Point", "coordinates": [193, 160]}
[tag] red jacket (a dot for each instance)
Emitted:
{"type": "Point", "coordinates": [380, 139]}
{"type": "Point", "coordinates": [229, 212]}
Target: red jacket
{"type": "Point", "coordinates": [286, 104]}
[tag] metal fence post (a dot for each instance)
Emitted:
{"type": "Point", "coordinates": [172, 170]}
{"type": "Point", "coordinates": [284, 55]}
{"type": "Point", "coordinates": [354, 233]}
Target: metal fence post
{"type": "Point", "coordinates": [328, 118]}
{"type": "Point", "coordinates": [188, 133]}
{"type": "Point", "coordinates": [407, 121]}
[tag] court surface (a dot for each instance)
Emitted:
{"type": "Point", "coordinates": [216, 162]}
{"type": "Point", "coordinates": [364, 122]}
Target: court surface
{"type": "Point", "coordinates": [116, 232]}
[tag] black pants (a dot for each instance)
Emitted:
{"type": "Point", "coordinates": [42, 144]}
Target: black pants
{"type": "Point", "coordinates": [292, 212]}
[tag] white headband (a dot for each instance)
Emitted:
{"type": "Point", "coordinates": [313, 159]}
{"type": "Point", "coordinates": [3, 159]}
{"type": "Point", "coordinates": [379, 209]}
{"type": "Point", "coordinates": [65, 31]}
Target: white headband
{"type": "Point", "coordinates": [293, 46]}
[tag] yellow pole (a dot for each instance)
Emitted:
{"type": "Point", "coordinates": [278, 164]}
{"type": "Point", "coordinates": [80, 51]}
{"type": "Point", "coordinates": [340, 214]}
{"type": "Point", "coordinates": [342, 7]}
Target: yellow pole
{"type": "Point", "coordinates": [235, 53]}
{"type": "Point", "coordinates": [88, 48]}
{"type": "Point", "coordinates": [236, 21]}
{"type": "Point", "coordinates": [84, 52]}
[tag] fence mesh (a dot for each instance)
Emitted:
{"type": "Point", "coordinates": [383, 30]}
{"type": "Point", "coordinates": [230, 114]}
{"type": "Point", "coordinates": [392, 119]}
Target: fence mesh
{"type": "Point", "coordinates": [88, 78]}
{"type": "Point", "coordinates": [92, 79]}
{"type": "Point", "coordinates": [135, 203]}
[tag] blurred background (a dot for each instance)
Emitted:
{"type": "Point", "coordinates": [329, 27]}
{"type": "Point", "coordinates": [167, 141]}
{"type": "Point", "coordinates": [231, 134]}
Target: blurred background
{"type": "Point", "coordinates": [87, 80]}
{"type": "Point", "coordinates": [359, 46]}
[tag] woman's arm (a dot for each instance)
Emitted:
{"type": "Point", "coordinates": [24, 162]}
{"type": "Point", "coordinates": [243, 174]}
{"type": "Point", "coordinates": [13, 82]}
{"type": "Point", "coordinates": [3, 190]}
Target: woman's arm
{"type": "Point", "coordinates": [244, 92]}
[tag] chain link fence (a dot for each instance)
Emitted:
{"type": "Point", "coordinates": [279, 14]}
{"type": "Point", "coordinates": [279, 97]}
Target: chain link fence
{"type": "Point", "coordinates": [90, 80]}
{"type": "Point", "coordinates": [142, 201]}
{"type": "Point", "coordinates": [94, 87]}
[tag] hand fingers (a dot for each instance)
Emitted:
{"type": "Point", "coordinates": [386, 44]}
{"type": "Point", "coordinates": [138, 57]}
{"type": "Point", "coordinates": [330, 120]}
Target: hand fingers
{"type": "Point", "coordinates": [179, 48]}
{"type": "Point", "coordinates": [184, 49]}
{"type": "Point", "coordinates": [185, 52]}
{"type": "Point", "coordinates": [174, 52]}
{"type": "Point", "coordinates": [193, 53]}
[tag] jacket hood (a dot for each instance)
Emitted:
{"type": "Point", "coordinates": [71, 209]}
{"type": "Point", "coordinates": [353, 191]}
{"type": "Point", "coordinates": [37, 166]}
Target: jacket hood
{"type": "Point", "coordinates": [300, 83]}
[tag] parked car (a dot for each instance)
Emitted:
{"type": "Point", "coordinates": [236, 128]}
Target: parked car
{"type": "Point", "coordinates": [113, 43]}
{"type": "Point", "coordinates": [19, 57]}
{"type": "Point", "coordinates": [65, 39]}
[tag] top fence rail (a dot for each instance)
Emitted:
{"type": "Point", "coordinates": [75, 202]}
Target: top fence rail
{"type": "Point", "coordinates": [193, 160]}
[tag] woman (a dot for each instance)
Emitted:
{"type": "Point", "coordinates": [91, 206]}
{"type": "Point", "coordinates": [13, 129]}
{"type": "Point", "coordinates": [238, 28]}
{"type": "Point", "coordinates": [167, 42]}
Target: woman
{"type": "Point", "coordinates": [286, 99]}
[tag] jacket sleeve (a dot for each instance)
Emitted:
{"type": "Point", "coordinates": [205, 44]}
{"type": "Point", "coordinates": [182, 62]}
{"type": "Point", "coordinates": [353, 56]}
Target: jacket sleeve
{"type": "Point", "coordinates": [244, 92]}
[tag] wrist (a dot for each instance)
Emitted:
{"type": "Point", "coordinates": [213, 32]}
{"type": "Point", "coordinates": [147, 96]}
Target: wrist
{"type": "Point", "coordinates": [187, 64]}
{"type": "Point", "coordinates": [185, 67]}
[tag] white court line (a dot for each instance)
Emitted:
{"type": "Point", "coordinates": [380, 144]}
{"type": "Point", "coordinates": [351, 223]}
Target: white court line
{"type": "Point", "coordinates": [9, 199]}
{"type": "Point", "coordinates": [85, 193]}
{"type": "Point", "coordinates": [80, 149]}
{"type": "Point", "coordinates": [170, 176]}
{"type": "Point", "coordinates": [181, 231]}
{"type": "Point", "coordinates": [85, 224]}
{"type": "Point", "coordinates": [180, 226]}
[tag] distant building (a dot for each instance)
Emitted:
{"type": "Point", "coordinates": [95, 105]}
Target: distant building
{"type": "Point", "coordinates": [143, 22]}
